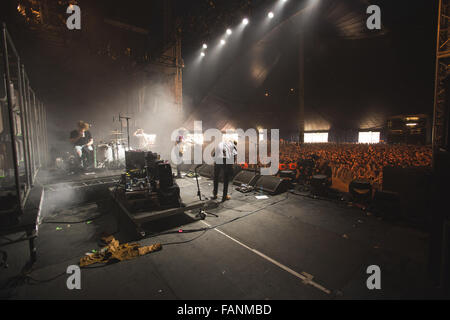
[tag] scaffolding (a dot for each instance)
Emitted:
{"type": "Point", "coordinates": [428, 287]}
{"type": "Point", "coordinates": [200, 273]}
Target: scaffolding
{"type": "Point", "coordinates": [440, 124]}
{"type": "Point", "coordinates": [23, 131]}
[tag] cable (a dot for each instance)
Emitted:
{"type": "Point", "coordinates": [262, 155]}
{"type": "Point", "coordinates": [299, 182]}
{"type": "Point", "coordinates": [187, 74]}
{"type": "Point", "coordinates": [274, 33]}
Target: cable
{"type": "Point", "coordinates": [220, 224]}
{"type": "Point", "coordinates": [46, 280]}
{"type": "Point", "coordinates": [186, 241]}
{"type": "Point", "coordinates": [11, 241]}
{"type": "Point", "coordinates": [26, 279]}
{"type": "Point", "coordinates": [318, 198]}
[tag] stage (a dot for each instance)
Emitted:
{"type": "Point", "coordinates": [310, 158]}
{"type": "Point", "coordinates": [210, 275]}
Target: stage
{"type": "Point", "coordinates": [287, 246]}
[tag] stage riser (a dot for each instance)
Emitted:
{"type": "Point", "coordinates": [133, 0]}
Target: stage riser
{"type": "Point", "coordinates": [59, 197]}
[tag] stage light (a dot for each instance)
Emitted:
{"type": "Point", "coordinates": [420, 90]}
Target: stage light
{"type": "Point", "coordinates": [245, 21]}
{"type": "Point", "coordinates": [229, 32]}
{"type": "Point", "coordinates": [270, 15]}
{"type": "Point", "coordinates": [202, 54]}
{"type": "Point", "coordinates": [205, 46]}
{"type": "Point", "coordinates": [222, 42]}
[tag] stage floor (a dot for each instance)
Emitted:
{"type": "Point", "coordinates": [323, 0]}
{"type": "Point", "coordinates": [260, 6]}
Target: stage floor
{"type": "Point", "coordinates": [284, 247]}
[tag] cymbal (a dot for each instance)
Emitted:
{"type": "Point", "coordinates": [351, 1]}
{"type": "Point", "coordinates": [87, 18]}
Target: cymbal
{"type": "Point", "coordinates": [116, 132]}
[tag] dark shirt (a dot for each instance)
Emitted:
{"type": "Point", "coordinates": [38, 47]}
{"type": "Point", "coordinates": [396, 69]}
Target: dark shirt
{"type": "Point", "coordinates": [82, 141]}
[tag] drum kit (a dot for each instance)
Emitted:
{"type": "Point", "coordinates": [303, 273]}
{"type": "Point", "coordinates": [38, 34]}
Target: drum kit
{"type": "Point", "coordinates": [111, 155]}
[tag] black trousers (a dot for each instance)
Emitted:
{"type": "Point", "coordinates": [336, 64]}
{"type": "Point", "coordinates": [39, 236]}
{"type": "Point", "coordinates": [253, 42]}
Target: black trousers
{"type": "Point", "coordinates": [227, 171]}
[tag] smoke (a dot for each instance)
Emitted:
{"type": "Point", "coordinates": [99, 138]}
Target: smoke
{"type": "Point", "coordinates": [149, 103]}
{"type": "Point", "coordinates": [160, 116]}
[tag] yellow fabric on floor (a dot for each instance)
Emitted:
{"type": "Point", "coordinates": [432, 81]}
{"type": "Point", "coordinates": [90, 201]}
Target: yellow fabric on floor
{"type": "Point", "coordinates": [115, 251]}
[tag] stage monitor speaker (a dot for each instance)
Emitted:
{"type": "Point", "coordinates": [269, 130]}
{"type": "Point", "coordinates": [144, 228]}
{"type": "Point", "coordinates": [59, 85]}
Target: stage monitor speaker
{"type": "Point", "coordinates": [185, 167]}
{"type": "Point", "coordinates": [206, 170]}
{"type": "Point", "coordinates": [193, 167]}
{"type": "Point", "coordinates": [361, 191]}
{"type": "Point", "coordinates": [245, 177]}
{"type": "Point", "coordinates": [271, 184]}
{"type": "Point", "coordinates": [236, 169]}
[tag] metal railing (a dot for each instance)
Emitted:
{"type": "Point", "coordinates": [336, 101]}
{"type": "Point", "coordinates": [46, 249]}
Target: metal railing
{"type": "Point", "coordinates": [23, 129]}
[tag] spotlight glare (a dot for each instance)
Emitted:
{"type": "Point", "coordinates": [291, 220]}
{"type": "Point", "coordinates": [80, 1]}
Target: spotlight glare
{"type": "Point", "coordinates": [222, 42]}
{"type": "Point", "coordinates": [270, 15]}
{"type": "Point", "coordinates": [202, 54]}
{"type": "Point", "coordinates": [205, 46]}
{"type": "Point", "coordinates": [245, 21]}
{"type": "Point", "coordinates": [229, 31]}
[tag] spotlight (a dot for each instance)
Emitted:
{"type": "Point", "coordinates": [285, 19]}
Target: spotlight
{"type": "Point", "coordinates": [205, 46]}
{"type": "Point", "coordinates": [202, 54]}
{"type": "Point", "coordinates": [270, 15]}
{"type": "Point", "coordinates": [222, 42]}
{"type": "Point", "coordinates": [229, 31]}
{"type": "Point", "coordinates": [245, 21]}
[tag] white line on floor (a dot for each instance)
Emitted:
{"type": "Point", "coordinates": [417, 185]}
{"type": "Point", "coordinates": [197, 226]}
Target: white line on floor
{"type": "Point", "coordinates": [305, 279]}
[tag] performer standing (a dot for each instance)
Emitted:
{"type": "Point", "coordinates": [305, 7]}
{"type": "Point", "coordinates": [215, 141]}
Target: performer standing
{"type": "Point", "coordinates": [225, 156]}
{"type": "Point", "coordinates": [82, 141]}
{"type": "Point", "coordinates": [179, 152]}
{"type": "Point", "coordinates": [144, 140]}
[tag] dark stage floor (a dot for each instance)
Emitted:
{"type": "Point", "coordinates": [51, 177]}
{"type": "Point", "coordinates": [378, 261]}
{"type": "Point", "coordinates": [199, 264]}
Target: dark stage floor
{"type": "Point", "coordinates": [284, 247]}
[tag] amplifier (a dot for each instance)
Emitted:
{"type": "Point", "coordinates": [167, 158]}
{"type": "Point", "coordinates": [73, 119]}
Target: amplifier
{"type": "Point", "coordinates": [135, 160]}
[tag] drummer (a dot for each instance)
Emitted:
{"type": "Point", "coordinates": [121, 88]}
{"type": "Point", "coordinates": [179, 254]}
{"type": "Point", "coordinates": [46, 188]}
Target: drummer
{"type": "Point", "coordinates": [82, 141]}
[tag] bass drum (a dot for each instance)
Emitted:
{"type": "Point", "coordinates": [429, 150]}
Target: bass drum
{"type": "Point", "coordinates": [121, 153]}
{"type": "Point", "coordinates": [104, 154]}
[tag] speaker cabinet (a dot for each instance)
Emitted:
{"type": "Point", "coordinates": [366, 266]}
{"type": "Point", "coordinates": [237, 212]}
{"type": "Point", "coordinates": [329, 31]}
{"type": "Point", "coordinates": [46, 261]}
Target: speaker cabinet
{"type": "Point", "coordinates": [206, 170]}
{"type": "Point", "coordinates": [165, 176]}
{"type": "Point", "coordinates": [386, 204]}
{"type": "Point", "coordinates": [185, 167]}
{"type": "Point", "coordinates": [413, 186]}
{"type": "Point", "coordinates": [245, 177]}
{"type": "Point", "coordinates": [271, 184]}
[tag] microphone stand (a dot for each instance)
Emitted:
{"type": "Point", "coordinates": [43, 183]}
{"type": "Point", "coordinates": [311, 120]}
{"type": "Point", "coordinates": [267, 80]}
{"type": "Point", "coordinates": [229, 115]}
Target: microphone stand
{"type": "Point", "coordinates": [199, 194]}
{"type": "Point", "coordinates": [202, 213]}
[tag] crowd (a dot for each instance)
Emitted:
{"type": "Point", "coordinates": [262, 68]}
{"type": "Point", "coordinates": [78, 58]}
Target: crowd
{"type": "Point", "coordinates": [358, 161]}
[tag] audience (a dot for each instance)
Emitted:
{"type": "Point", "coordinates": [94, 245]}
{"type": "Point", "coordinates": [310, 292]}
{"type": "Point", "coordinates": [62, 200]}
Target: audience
{"type": "Point", "coordinates": [358, 161]}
